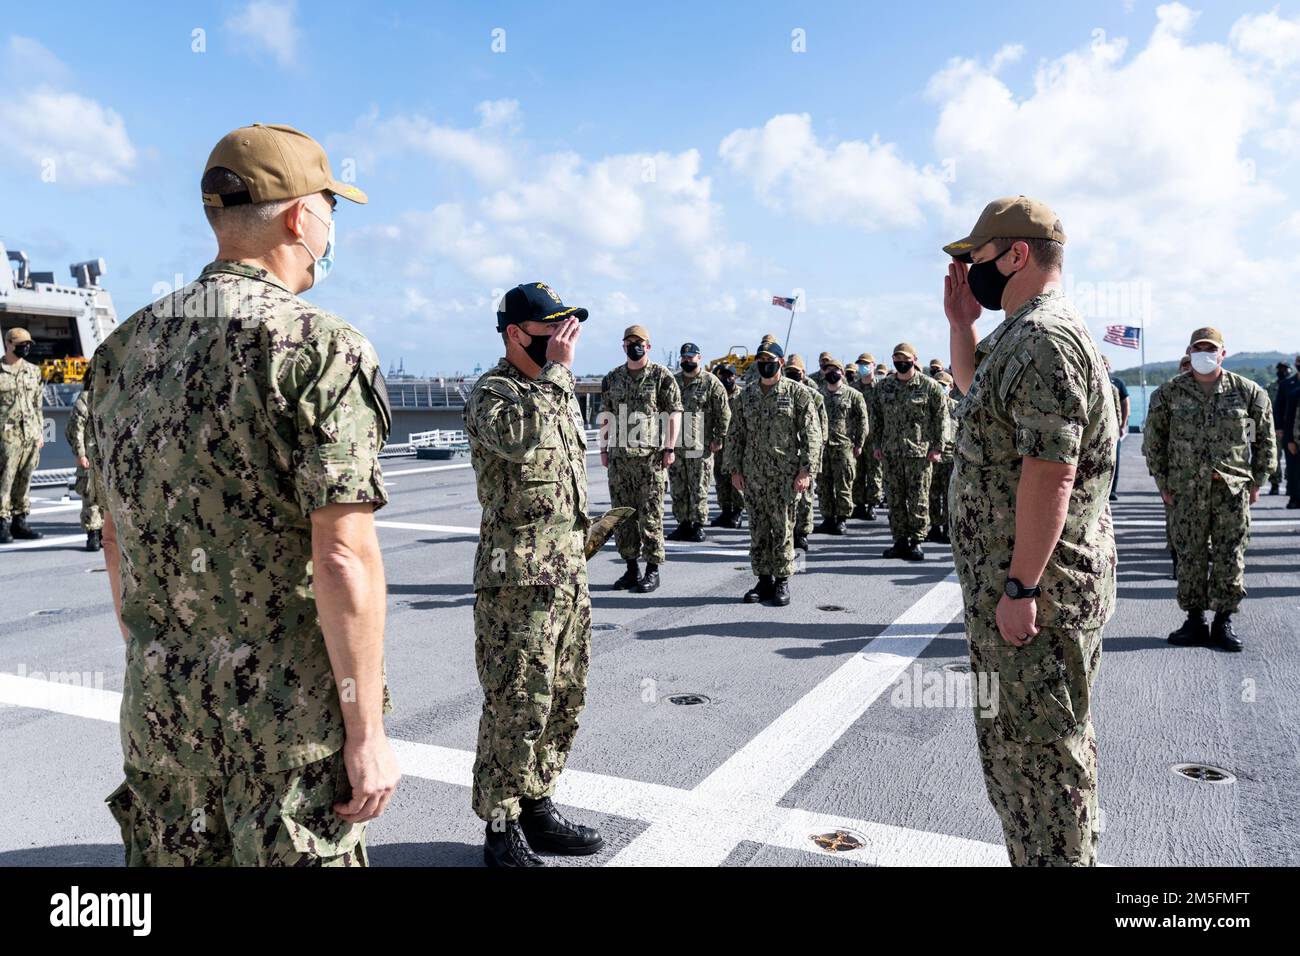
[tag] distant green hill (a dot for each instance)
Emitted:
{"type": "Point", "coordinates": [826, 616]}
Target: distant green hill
{"type": "Point", "coordinates": [1260, 366]}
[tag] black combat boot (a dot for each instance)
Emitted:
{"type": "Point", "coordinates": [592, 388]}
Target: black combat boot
{"type": "Point", "coordinates": [22, 531]}
{"type": "Point", "coordinates": [696, 533]}
{"type": "Point", "coordinates": [897, 549]}
{"type": "Point", "coordinates": [1293, 503]}
{"type": "Point", "coordinates": [824, 526]}
{"type": "Point", "coordinates": [508, 847]}
{"type": "Point", "coordinates": [720, 521]}
{"type": "Point", "coordinates": [837, 527]}
{"type": "Point", "coordinates": [681, 532]}
{"type": "Point", "coordinates": [1222, 634]}
{"type": "Point", "coordinates": [1273, 487]}
{"type": "Point", "coordinates": [731, 519]}
{"type": "Point", "coordinates": [944, 535]}
{"type": "Point", "coordinates": [781, 592]}
{"type": "Point", "coordinates": [650, 580]}
{"type": "Point", "coordinates": [760, 591]}
{"type": "Point", "coordinates": [800, 541]}
{"type": "Point", "coordinates": [631, 577]}
{"type": "Point", "coordinates": [6, 536]}
{"type": "Point", "coordinates": [912, 551]}
{"type": "Point", "coordinates": [935, 534]}
{"type": "Point", "coordinates": [546, 829]}
{"type": "Point", "coordinates": [859, 513]}
{"type": "Point", "coordinates": [1193, 632]}
{"type": "Point", "coordinates": [94, 541]}
{"type": "Point", "coordinates": [871, 512]}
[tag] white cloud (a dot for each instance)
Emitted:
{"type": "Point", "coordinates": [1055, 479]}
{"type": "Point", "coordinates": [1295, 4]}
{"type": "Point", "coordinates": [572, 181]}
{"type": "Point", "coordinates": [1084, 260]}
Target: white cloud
{"type": "Point", "coordinates": [270, 27]}
{"type": "Point", "coordinates": [1268, 37]}
{"type": "Point", "coordinates": [1147, 158]}
{"type": "Point", "coordinates": [481, 152]}
{"type": "Point", "coordinates": [53, 133]}
{"type": "Point", "coordinates": [866, 184]}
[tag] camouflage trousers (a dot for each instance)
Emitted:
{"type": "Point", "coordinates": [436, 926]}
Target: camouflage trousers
{"type": "Point", "coordinates": [803, 510]}
{"type": "Point", "coordinates": [940, 473]}
{"type": "Point", "coordinates": [835, 481]}
{"type": "Point", "coordinates": [18, 459]}
{"type": "Point", "coordinates": [638, 482]}
{"type": "Point", "coordinates": [532, 647]}
{"type": "Point", "coordinates": [907, 485]}
{"type": "Point", "coordinates": [1209, 527]}
{"type": "Point", "coordinates": [281, 818]}
{"type": "Point", "coordinates": [771, 505]}
{"type": "Point", "coordinates": [689, 479]}
{"type": "Point", "coordinates": [92, 516]}
{"type": "Point", "coordinates": [1039, 749]}
{"type": "Point", "coordinates": [868, 480]}
{"type": "Point", "coordinates": [729, 499]}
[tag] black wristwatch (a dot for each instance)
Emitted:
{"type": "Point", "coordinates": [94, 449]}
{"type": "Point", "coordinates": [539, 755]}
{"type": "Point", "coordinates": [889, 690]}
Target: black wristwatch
{"type": "Point", "coordinates": [1017, 591]}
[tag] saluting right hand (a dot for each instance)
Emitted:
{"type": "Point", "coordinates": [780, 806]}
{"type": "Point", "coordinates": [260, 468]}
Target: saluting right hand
{"type": "Point", "coordinates": [560, 348]}
{"type": "Point", "coordinates": [958, 301]}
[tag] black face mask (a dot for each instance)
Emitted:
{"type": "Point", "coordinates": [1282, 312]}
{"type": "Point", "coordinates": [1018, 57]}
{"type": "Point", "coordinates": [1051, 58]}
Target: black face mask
{"type": "Point", "coordinates": [727, 381]}
{"type": "Point", "coordinates": [689, 366]}
{"type": "Point", "coordinates": [986, 283]}
{"type": "Point", "coordinates": [536, 349]}
{"type": "Point", "coordinates": [768, 369]}
{"type": "Point", "coordinates": [636, 351]}
{"type": "Point", "coordinates": [903, 367]}
{"type": "Point", "coordinates": [794, 373]}
{"type": "Point", "coordinates": [23, 349]}
{"type": "Point", "coordinates": [833, 376]}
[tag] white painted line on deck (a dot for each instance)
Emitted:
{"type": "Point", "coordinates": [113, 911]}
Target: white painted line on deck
{"type": "Point", "coordinates": [663, 807]}
{"type": "Point", "coordinates": [62, 506]}
{"type": "Point", "coordinates": [413, 526]}
{"type": "Point", "coordinates": [465, 464]}
{"type": "Point", "coordinates": [758, 775]}
{"type": "Point", "coordinates": [43, 542]}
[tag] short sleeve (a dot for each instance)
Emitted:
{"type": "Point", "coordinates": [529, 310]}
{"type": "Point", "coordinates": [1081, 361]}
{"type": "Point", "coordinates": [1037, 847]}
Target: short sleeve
{"type": "Point", "coordinates": [342, 419]}
{"type": "Point", "coordinates": [1120, 387]}
{"type": "Point", "coordinates": [1045, 391]}
{"type": "Point", "coordinates": [670, 396]}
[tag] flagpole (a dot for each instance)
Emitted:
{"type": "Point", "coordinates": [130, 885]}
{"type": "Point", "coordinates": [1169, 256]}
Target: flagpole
{"type": "Point", "coordinates": [786, 347]}
{"type": "Point", "coordinates": [1142, 375]}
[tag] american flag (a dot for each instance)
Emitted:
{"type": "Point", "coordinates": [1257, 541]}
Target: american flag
{"type": "Point", "coordinates": [1129, 336]}
{"type": "Point", "coordinates": [783, 302]}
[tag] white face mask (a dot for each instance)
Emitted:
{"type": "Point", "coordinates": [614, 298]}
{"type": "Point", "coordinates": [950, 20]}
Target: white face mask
{"type": "Point", "coordinates": [325, 261]}
{"type": "Point", "coordinates": [1205, 362]}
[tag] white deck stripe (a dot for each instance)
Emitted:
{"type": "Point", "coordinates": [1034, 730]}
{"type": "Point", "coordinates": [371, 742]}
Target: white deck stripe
{"type": "Point", "coordinates": [758, 775]}
{"type": "Point", "coordinates": [43, 542]}
{"type": "Point", "coordinates": [660, 805]}
{"type": "Point", "coordinates": [413, 526]}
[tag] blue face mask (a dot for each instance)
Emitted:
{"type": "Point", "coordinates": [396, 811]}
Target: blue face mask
{"type": "Point", "coordinates": [864, 370]}
{"type": "Point", "coordinates": [325, 261]}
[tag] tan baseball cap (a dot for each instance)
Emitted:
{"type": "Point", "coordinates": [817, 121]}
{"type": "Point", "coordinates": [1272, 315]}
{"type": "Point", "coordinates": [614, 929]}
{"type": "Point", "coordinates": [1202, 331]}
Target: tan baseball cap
{"type": "Point", "coordinates": [934, 362]}
{"type": "Point", "coordinates": [902, 348]}
{"type": "Point", "coordinates": [795, 361]}
{"type": "Point", "coordinates": [943, 378]}
{"type": "Point", "coordinates": [1013, 217]}
{"type": "Point", "coordinates": [832, 362]}
{"type": "Point", "coordinates": [1207, 334]}
{"type": "Point", "coordinates": [821, 359]}
{"type": "Point", "coordinates": [636, 332]}
{"type": "Point", "coordinates": [866, 358]}
{"type": "Point", "coordinates": [881, 369]}
{"type": "Point", "coordinates": [16, 335]}
{"type": "Point", "coordinates": [276, 162]}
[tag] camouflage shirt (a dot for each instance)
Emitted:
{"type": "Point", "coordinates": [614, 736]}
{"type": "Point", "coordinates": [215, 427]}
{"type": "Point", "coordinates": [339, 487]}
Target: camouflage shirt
{"type": "Point", "coordinates": [223, 416]}
{"type": "Point", "coordinates": [21, 391]}
{"type": "Point", "coordinates": [528, 445]}
{"type": "Point", "coordinates": [949, 427]}
{"type": "Point", "coordinates": [75, 432]}
{"type": "Point", "coordinates": [635, 405]}
{"type": "Point", "coordinates": [706, 410]}
{"type": "Point", "coordinates": [774, 434]}
{"type": "Point", "coordinates": [1193, 437]}
{"type": "Point", "coordinates": [823, 423]}
{"type": "Point", "coordinates": [1040, 391]}
{"type": "Point", "coordinates": [846, 417]}
{"type": "Point", "coordinates": [911, 416]}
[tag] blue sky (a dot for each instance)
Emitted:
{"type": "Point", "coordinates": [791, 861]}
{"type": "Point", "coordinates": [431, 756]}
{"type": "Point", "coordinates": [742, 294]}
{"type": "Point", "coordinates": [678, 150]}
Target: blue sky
{"type": "Point", "coordinates": [677, 164]}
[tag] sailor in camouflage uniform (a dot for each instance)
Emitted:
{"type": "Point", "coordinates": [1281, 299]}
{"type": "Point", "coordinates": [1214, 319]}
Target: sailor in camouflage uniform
{"type": "Point", "coordinates": [730, 501]}
{"type": "Point", "coordinates": [773, 438]}
{"type": "Point", "coordinates": [640, 413]}
{"type": "Point", "coordinates": [22, 434]}
{"type": "Point", "coordinates": [1035, 449]}
{"type": "Point", "coordinates": [846, 435]}
{"type": "Point", "coordinates": [803, 513]}
{"type": "Point", "coordinates": [868, 480]}
{"type": "Point", "coordinates": [942, 469]}
{"type": "Point", "coordinates": [79, 438]}
{"type": "Point", "coordinates": [911, 412]}
{"type": "Point", "coordinates": [1209, 444]}
{"type": "Point", "coordinates": [818, 378]}
{"type": "Point", "coordinates": [1276, 389]}
{"type": "Point", "coordinates": [236, 439]}
{"type": "Point", "coordinates": [706, 413]}
{"type": "Point", "coordinates": [532, 611]}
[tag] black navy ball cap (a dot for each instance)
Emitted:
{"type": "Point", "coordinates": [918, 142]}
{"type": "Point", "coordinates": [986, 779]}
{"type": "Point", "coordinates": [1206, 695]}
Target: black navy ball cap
{"type": "Point", "coordinates": [534, 302]}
